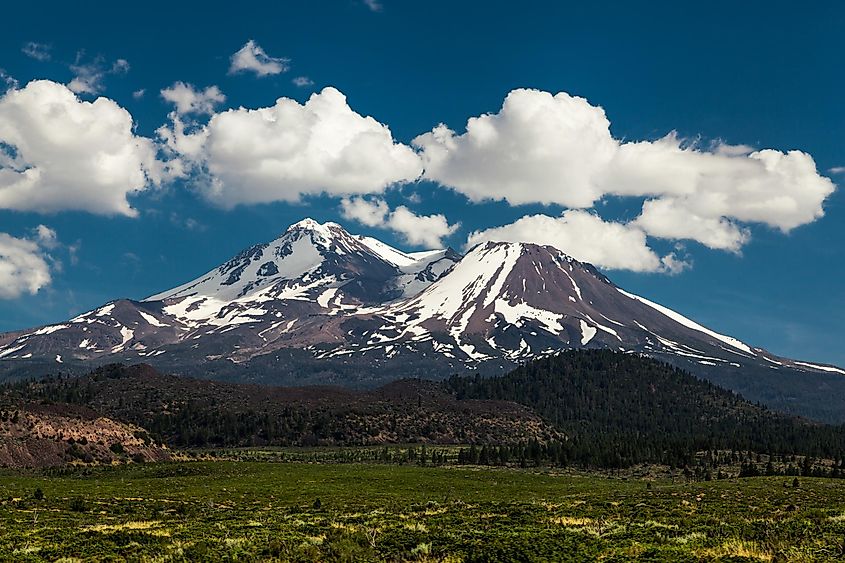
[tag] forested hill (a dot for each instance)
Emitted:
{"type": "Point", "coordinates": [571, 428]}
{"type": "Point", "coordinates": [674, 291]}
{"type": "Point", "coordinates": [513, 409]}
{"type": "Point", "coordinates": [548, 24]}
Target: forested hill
{"type": "Point", "coordinates": [187, 412]}
{"type": "Point", "coordinates": [619, 409]}
{"type": "Point", "coordinates": [592, 408]}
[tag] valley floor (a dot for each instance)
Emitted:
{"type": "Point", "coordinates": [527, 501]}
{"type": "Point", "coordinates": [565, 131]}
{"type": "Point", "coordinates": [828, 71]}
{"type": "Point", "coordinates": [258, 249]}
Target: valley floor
{"type": "Point", "coordinates": [241, 510]}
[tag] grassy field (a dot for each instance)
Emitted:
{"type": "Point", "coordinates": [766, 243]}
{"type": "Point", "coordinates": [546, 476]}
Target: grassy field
{"type": "Point", "coordinates": [228, 510]}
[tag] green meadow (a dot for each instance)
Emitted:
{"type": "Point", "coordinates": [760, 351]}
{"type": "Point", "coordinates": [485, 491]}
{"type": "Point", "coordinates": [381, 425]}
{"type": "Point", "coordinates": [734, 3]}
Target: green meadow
{"type": "Point", "coordinates": [256, 511]}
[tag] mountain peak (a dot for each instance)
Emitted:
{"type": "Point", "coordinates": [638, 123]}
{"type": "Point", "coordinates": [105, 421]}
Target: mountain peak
{"type": "Point", "coordinates": [322, 234]}
{"type": "Point", "coordinates": [306, 223]}
{"type": "Point", "coordinates": [309, 224]}
{"type": "Point", "coordinates": [519, 248]}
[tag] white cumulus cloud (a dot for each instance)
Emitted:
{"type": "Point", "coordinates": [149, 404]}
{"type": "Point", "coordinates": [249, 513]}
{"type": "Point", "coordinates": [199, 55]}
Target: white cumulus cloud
{"type": "Point", "coordinates": [558, 149]}
{"type": "Point", "coordinates": [369, 212]}
{"type": "Point", "coordinates": [668, 218]}
{"type": "Point", "coordinates": [24, 267]}
{"type": "Point", "coordinates": [187, 99]}
{"type": "Point", "coordinates": [417, 230]}
{"type": "Point", "coordinates": [587, 238]}
{"type": "Point", "coordinates": [288, 150]}
{"type": "Point", "coordinates": [539, 148]}
{"type": "Point", "coordinates": [58, 153]}
{"type": "Point", "coordinates": [420, 230]}
{"type": "Point", "coordinates": [252, 58]}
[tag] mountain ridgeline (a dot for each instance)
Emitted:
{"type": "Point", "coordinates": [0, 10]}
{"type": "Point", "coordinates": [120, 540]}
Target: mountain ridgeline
{"type": "Point", "coordinates": [319, 305]}
{"type": "Point", "coordinates": [593, 408]}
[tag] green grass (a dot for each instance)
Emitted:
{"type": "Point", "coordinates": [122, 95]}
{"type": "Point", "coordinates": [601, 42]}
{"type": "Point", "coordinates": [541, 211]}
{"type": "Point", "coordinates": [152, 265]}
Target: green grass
{"type": "Point", "coordinates": [226, 510]}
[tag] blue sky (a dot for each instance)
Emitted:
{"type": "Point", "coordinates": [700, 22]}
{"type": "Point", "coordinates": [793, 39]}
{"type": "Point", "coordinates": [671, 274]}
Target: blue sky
{"type": "Point", "coordinates": [760, 75]}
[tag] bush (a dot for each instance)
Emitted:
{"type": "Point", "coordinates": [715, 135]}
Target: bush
{"type": "Point", "coordinates": [38, 494]}
{"type": "Point", "coordinates": [77, 504]}
{"type": "Point", "coordinates": [117, 448]}
{"type": "Point", "coordinates": [141, 435]}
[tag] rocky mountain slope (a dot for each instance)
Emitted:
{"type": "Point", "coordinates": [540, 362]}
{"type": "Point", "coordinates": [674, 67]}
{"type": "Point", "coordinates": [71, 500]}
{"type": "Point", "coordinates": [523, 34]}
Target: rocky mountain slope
{"type": "Point", "coordinates": [38, 435]}
{"type": "Point", "coordinates": [319, 305]}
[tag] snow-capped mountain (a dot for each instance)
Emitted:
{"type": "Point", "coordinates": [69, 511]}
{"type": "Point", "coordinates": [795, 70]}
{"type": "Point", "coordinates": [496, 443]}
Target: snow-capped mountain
{"type": "Point", "coordinates": [321, 305]}
{"type": "Point", "coordinates": [268, 295]}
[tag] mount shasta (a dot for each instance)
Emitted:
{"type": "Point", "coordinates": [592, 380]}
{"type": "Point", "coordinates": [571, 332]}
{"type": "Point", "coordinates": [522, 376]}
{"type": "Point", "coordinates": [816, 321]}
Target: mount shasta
{"type": "Point", "coordinates": [319, 305]}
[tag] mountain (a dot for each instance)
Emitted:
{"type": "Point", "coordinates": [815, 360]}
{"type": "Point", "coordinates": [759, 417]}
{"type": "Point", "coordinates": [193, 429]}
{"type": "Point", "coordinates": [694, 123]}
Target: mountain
{"type": "Point", "coordinates": [269, 296]}
{"type": "Point", "coordinates": [319, 305]}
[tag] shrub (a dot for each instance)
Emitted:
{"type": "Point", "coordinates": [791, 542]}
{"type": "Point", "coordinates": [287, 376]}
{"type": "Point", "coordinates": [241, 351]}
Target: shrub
{"type": "Point", "coordinates": [141, 435]}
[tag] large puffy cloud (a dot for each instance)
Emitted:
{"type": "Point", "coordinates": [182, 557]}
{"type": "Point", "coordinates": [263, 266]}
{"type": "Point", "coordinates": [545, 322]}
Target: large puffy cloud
{"type": "Point", "coordinates": [539, 148]}
{"type": "Point", "coordinates": [60, 153]}
{"type": "Point", "coordinates": [288, 150]}
{"type": "Point", "coordinates": [252, 58]}
{"type": "Point", "coordinates": [697, 188]}
{"type": "Point", "coordinates": [24, 267]}
{"type": "Point", "coordinates": [558, 149]}
{"type": "Point", "coordinates": [587, 238]}
{"type": "Point", "coordinates": [418, 230]}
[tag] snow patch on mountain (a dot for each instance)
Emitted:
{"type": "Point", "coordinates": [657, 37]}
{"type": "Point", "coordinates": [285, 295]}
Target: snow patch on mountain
{"type": "Point", "coordinates": [387, 252]}
{"type": "Point", "coordinates": [49, 329]}
{"type": "Point", "coordinates": [820, 367]}
{"type": "Point", "coordinates": [729, 340]}
{"type": "Point", "coordinates": [587, 332]}
{"type": "Point", "coordinates": [519, 312]}
{"type": "Point", "coordinates": [151, 319]}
